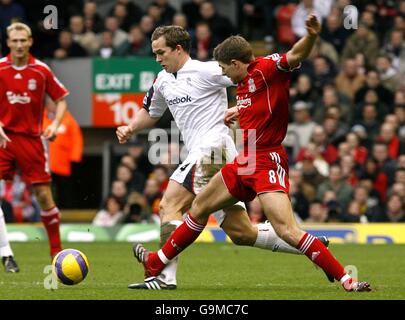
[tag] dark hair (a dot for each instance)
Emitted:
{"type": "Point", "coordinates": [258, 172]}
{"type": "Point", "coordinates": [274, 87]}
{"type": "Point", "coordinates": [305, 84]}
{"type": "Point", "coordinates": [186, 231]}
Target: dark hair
{"type": "Point", "coordinates": [174, 36]}
{"type": "Point", "coordinates": [234, 47]}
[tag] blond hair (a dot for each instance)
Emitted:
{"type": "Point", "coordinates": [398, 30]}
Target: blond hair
{"type": "Point", "coordinates": [19, 26]}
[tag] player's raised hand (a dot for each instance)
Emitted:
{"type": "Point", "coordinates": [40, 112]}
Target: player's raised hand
{"type": "Point", "coordinates": [312, 25]}
{"type": "Point", "coordinates": [50, 132]}
{"type": "Point", "coordinates": [3, 138]}
{"type": "Point", "coordinates": [231, 115]}
{"type": "Point", "coordinates": [123, 133]}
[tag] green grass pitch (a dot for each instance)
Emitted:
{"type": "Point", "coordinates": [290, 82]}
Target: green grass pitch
{"type": "Point", "coordinates": [210, 271]}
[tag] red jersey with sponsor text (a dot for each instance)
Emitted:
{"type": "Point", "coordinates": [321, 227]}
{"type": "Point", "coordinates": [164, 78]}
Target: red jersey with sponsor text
{"type": "Point", "coordinates": [262, 99]}
{"type": "Point", "coordinates": [22, 95]}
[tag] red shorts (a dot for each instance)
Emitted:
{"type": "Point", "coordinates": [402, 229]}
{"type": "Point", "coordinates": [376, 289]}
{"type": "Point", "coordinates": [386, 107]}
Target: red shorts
{"type": "Point", "coordinates": [27, 154]}
{"type": "Point", "coordinates": [267, 173]}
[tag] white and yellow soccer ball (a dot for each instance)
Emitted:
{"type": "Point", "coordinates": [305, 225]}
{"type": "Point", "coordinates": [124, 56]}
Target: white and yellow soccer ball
{"type": "Point", "coordinates": [70, 266]}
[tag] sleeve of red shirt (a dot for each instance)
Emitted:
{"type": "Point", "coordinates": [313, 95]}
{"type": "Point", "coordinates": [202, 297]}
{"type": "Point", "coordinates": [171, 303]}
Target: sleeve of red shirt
{"type": "Point", "coordinates": [277, 64]}
{"type": "Point", "coordinates": [54, 87]}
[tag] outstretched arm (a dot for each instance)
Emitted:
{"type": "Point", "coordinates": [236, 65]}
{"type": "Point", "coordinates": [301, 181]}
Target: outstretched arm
{"type": "Point", "coordinates": [301, 50]}
{"type": "Point", "coordinates": [142, 121]}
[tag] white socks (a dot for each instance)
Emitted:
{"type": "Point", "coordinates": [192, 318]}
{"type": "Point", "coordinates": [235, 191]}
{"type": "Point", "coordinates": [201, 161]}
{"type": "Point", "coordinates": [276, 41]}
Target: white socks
{"type": "Point", "coordinates": [5, 249]}
{"type": "Point", "coordinates": [268, 239]}
{"type": "Point", "coordinates": [168, 275]}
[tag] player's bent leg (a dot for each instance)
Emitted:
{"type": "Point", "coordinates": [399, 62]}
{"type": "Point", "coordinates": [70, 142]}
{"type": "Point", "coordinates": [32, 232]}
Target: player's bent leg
{"type": "Point", "coordinates": [213, 197]}
{"type": "Point", "coordinates": [176, 200]}
{"type": "Point", "coordinates": [50, 216]}
{"type": "Point", "coordinates": [277, 207]}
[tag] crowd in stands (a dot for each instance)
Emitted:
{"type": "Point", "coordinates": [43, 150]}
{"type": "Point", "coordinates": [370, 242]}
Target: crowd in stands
{"type": "Point", "coordinates": [346, 138]}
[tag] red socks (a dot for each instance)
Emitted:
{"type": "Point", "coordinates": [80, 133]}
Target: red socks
{"type": "Point", "coordinates": [181, 238]}
{"type": "Point", "coordinates": [319, 254]}
{"type": "Point", "coordinates": [51, 220]}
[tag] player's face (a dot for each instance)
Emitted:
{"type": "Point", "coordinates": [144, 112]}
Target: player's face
{"type": "Point", "coordinates": [19, 43]}
{"type": "Point", "coordinates": [167, 57]}
{"type": "Point", "coordinates": [232, 71]}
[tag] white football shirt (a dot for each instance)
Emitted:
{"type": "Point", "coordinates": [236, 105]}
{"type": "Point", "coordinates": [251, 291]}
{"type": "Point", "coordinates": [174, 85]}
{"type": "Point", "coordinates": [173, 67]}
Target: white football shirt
{"type": "Point", "coordinates": [196, 97]}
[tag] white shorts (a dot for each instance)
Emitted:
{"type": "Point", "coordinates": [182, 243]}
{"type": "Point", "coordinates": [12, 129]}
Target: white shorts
{"type": "Point", "coordinates": [202, 164]}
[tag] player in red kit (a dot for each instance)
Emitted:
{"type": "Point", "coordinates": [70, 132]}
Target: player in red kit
{"type": "Point", "coordinates": [24, 83]}
{"type": "Point", "coordinates": [262, 168]}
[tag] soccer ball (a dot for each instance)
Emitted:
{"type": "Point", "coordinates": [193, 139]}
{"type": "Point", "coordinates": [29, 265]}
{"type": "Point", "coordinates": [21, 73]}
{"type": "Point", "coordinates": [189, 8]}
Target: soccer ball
{"type": "Point", "coordinates": [70, 266]}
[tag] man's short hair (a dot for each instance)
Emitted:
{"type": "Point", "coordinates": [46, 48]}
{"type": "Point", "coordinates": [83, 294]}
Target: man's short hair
{"type": "Point", "coordinates": [19, 26]}
{"type": "Point", "coordinates": [174, 35]}
{"type": "Point", "coordinates": [234, 47]}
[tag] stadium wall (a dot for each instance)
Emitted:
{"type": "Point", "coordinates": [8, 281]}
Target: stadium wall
{"type": "Point", "coordinates": [376, 233]}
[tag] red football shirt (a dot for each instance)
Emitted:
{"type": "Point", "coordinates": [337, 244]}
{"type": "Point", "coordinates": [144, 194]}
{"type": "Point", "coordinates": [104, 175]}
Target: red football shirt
{"type": "Point", "coordinates": [22, 95]}
{"type": "Point", "coordinates": [262, 99]}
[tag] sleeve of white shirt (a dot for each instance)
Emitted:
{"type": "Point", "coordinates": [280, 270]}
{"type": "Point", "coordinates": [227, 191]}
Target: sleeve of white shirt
{"type": "Point", "coordinates": [214, 77]}
{"type": "Point", "coordinates": [154, 102]}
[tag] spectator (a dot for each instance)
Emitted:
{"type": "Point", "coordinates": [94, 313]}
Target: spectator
{"type": "Point", "coordinates": [92, 19]}
{"type": "Point", "coordinates": [127, 14]}
{"type": "Point", "coordinates": [379, 180]}
{"type": "Point", "coordinates": [394, 212]}
{"type": "Point", "coordinates": [111, 214]}
{"type": "Point", "coordinates": [191, 10]}
{"type": "Point", "coordinates": [389, 137]}
{"type": "Point", "coordinates": [118, 35]}
{"type": "Point", "coordinates": [167, 11]}
{"type": "Point", "coordinates": [153, 196]}
{"type": "Point", "coordinates": [307, 190]}
{"type": "Point", "coordinates": [332, 98]}
{"type": "Point", "coordinates": [358, 152]}
{"type": "Point", "coordinates": [395, 48]}
{"type": "Point", "coordinates": [119, 190]}
{"type": "Point", "coordinates": [317, 213]}
{"type": "Point", "coordinates": [147, 25]}
{"type": "Point", "coordinates": [334, 131]}
{"type": "Point", "coordinates": [137, 209]}
{"type": "Point", "coordinates": [106, 49]}
{"type": "Point", "coordinates": [204, 42]}
{"type": "Point", "coordinates": [304, 8]}
{"type": "Point", "coordinates": [302, 126]}
{"type": "Point", "coordinates": [85, 38]}
{"type": "Point", "coordinates": [67, 48]}
{"type": "Point", "coordinates": [348, 166]}
{"type": "Point", "coordinates": [161, 174]}
{"type": "Point", "coordinates": [334, 32]}
{"type": "Point", "coordinates": [181, 20]}
{"type": "Point", "coordinates": [220, 26]}
{"type": "Point", "coordinates": [136, 44]}
{"type": "Point", "coordinates": [373, 82]}
{"type": "Point", "coordinates": [303, 90]}
{"type": "Point", "coordinates": [299, 202]}
{"type": "Point", "coordinates": [310, 173]}
{"type": "Point", "coordinates": [370, 123]}
{"type": "Point", "coordinates": [384, 162]}
{"type": "Point", "coordinates": [336, 183]}
{"type": "Point", "coordinates": [362, 41]}
{"type": "Point", "coordinates": [312, 151]}
{"type": "Point", "coordinates": [349, 81]}
{"type": "Point", "coordinates": [390, 78]}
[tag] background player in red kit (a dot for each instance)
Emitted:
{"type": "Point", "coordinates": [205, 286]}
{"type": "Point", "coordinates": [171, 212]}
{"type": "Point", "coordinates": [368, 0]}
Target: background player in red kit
{"type": "Point", "coordinates": [24, 83]}
{"type": "Point", "coordinates": [262, 107]}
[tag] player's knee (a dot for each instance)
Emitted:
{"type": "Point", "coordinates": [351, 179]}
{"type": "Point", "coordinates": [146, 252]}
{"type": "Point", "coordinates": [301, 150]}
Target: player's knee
{"type": "Point", "coordinates": [285, 232]}
{"type": "Point", "coordinates": [239, 238]}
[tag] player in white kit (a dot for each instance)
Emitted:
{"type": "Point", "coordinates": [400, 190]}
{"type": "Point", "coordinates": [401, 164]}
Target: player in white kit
{"type": "Point", "coordinates": [195, 93]}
